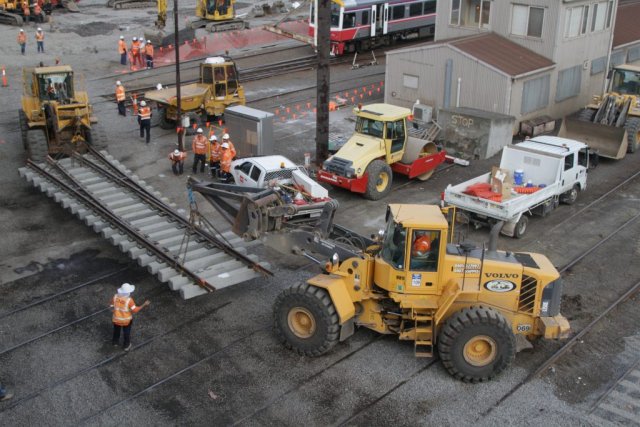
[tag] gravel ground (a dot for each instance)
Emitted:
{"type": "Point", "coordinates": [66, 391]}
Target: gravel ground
{"type": "Point", "coordinates": [245, 376]}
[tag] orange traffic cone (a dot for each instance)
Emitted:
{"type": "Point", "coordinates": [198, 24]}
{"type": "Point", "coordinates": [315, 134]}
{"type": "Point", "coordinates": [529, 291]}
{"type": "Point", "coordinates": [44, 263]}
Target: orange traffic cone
{"type": "Point", "coordinates": [135, 104]}
{"type": "Point", "coordinates": [4, 78]}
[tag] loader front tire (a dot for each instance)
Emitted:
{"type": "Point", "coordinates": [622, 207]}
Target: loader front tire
{"type": "Point", "coordinates": [380, 179]}
{"type": "Point", "coordinates": [476, 344]}
{"type": "Point", "coordinates": [632, 125]}
{"type": "Point", "coordinates": [306, 320]}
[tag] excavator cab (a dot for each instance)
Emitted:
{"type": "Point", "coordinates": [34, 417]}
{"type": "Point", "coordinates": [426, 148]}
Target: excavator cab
{"type": "Point", "coordinates": [215, 10]}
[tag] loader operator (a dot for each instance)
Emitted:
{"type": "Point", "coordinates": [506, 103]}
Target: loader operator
{"type": "Point", "coordinates": [424, 251]}
{"type": "Point", "coordinates": [199, 147]}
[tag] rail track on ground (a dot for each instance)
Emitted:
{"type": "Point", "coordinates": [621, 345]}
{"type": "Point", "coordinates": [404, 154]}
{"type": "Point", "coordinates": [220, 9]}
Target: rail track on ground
{"type": "Point", "coordinates": [187, 253]}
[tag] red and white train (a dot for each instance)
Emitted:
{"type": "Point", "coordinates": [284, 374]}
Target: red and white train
{"type": "Point", "coordinates": [366, 24]}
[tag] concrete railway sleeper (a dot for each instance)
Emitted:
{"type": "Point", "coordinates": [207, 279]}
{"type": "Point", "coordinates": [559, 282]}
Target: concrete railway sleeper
{"type": "Point", "coordinates": [110, 202]}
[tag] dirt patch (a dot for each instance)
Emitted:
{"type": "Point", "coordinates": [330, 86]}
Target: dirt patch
{"type": "Point", "coordinates": [92, 29]}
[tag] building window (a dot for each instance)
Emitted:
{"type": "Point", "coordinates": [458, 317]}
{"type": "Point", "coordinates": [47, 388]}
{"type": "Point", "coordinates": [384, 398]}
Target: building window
{"type": "Point", "coordinates": [569, 83]}
{"type": "Point", "coordinates": [535, 94]}
{"type": "Point", "coordinates": [633, 54]}
{"type": "Point", "coordinates": [598, 65]}
{"type": "Point", "coordinates": [527, 21]}
{"type": "Point", "coordinates": [617, 59]}
{"type": "Point", "coordinates": [599, 16]}
{"type": "Point", "coordinates": [575, 23]}
{"type": "Point", "coordinates": [410, 81]}
{"type": "Point", "coordinates": [470, 13]}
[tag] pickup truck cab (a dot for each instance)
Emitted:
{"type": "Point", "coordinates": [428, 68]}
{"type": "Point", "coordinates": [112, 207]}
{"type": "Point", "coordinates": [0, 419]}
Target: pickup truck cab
{"type": "Point", "coordinates": [257, 172]}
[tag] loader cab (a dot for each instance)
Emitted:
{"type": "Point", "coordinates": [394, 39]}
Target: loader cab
{"type": "Point", "coordinates": [412, 248]}
{"type": "Point", "coordinates": [222, 75]}
{"type": "Point", "coordinates": [626, 80]}
{"type": "Point", "coordinates": [386, 122]}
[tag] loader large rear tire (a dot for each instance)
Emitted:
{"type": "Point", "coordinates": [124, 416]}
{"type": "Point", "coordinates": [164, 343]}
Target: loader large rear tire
{"type": "Point", "coordinates": [632, 125]}
{"type": "Point", "coordinates": [476, 344]}
{"type": "Point", "coordinates": [306, 320]}
{"type": "Point", "coordinates": [380, 179]}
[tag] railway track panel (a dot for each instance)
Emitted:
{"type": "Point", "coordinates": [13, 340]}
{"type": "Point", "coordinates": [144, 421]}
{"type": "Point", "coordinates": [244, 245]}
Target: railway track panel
{"type": "Point", "coordinates": [131, 215]}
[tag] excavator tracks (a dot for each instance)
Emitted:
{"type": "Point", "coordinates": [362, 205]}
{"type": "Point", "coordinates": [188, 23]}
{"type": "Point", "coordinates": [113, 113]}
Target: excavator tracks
{"type": "Point", "coordinates": [127, 212]}
{"type": "Point", "coordinates": [8, 18]}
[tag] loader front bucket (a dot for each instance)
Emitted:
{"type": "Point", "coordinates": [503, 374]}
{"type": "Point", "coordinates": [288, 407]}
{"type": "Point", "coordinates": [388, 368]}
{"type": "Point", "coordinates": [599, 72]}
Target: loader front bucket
{"type": "Point", "coordinates": [607, 141]}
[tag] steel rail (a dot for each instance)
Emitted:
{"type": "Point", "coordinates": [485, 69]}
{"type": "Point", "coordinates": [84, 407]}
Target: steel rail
{"type": "Point", "coordinates": [123, 179]}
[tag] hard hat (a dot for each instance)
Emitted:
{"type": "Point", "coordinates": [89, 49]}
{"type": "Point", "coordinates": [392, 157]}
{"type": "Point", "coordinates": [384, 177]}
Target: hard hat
{"type": "Point", "coordinates": [121, 37]}
{"type": "Point", "coordinates": [225, 136]}
{"type": "Point", "coordinates": [143, 103]}
{"type": "Point", "coordinates": [135, 39]}
{"type": "Point", "coordinates": [199, 130]}
{"type": "Point", "coordinates": [213, 138]}
{"type": "Point", "coordinates": [421, 246]}
{"type": "Point", "coordinates": [225, 145]}
{"type": "Point", "coordinates": [176, 152]}
{"type": "Point", "coordinates": [118, 83]}
{"type": "Point", "coordinates": [21, 30]}
{"type": "Point", "coordinates": [126, 288]}
{"type": "Point", "coordinates": [149, 41]}
{"type": "Point", "coordinates": [39, 29]}
{"type": "Point", "coordinates": [159, 86]}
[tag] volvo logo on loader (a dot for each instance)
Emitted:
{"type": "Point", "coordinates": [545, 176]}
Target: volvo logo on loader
{"type": "Point", "coordinates": [502, 275]}
{"type": "Point", "coordinates": [500, 286]}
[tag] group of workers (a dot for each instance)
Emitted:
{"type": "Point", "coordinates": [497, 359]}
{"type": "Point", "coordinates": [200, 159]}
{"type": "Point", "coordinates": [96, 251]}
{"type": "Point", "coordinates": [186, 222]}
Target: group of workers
{"type": "Point", "coordinates": [22, 40]}
{"type": "Point", "coordinates": [137, 49]}
{"type": "Point", "coordinates": [37, 15]}
{"type": "Point", "coordinates": [218, 156]}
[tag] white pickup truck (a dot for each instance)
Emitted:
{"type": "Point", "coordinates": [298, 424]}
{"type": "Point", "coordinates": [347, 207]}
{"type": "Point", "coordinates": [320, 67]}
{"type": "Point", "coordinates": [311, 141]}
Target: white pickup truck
{"type": "Point", "coordinates": [557, 166]}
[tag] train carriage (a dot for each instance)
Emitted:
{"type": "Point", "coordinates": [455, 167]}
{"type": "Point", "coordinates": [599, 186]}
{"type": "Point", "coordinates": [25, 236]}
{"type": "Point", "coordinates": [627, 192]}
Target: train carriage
{"type": "Point", "coordinates": [366, 24]}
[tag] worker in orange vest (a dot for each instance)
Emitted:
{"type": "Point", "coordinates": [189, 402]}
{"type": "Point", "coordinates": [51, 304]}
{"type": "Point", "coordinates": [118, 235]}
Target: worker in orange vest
{"type": "Point", "coordinates": [40, 40]}
{"type": "Point", "coordinates": [200, 148]}
{"type": "Point", "coordinates": [215, 153]}
{"type": "Point", "coordinates": [120, 98]}
{"type": "Point", "coordinates": [177, 158]}
{"type": "Point", "coordinates": [135, 52]}
{"type": "Point", "coordinates": [123, 307]}
{"type": "Point", "coordinates": [148, 51]}
{"type": "Point", "coordinates": [144, 113]}
{"type": "Point", "coordinates": [232, 148]}
{"type": "Point", "coordinates": [38, 16]}
{"type": "Point", "coordinates": [22, 40]}
{"type": "Point", "coordinates": [122, 50]}
{"type": "Point", "coordinates": [225, 162]}
{"type": "Point", "coordinates": [26, 12]}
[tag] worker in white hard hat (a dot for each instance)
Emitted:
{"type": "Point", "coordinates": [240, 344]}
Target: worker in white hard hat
{"type": "Point", "coordinates": [148, 52]}
{"type": "Point", "coordinates": [225, 162]}
{"type": "Point", "coordinates": [144, 115]}
{"type": "Point", "coordinates": [122, 50]}
{"type": "Point", "coordinates": [215, 154]}
{"type": "Point", "coordinates": [136, 57]}
{"type": "Point", "coordinates": [200, 147]}
{"type": "Point", "coordinates": [22, 40]}
{"type": "Point", "coordinates": [177, 158]}
{"type": "Point", "coordinates": [40, 40]}
{"type": "Point", "coordinates": [38, 16]}
{"type": "Point", "coordinates": [120, 98]}
{"type": "Point", "coordinates": [232, 148]}
{"type": "Point", "coordinates": [123, 307]}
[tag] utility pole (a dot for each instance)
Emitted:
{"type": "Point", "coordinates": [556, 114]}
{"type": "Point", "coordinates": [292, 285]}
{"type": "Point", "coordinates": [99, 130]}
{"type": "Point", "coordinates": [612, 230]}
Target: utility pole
{"type": "Point", "coordinates": [176, 41]}
{"type": "Point", "coordinates": [323, 28]}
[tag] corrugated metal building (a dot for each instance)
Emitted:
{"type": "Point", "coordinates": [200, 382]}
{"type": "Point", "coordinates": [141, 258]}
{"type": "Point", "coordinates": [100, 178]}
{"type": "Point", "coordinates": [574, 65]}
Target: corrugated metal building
{"type": "Point", "coordinates": [525, 59]}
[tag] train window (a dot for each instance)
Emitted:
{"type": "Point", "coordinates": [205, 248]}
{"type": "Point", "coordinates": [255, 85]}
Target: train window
{"type": "Point", "coordinates": [349, 20]}
{"type": "Point", "coordinates": [415, 9]}
{"type": "Point", "coordinates": [429, 7]}
{"type": "Point", "coordinates": [335, 15]}
{"type": "Point", "coordinates": [365, 18]}
{"type": "Point", "coordinates": [398, 12]}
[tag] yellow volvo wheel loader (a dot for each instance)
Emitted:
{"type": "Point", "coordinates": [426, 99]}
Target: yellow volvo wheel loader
{"type": "Point", "coordinates": [56, 117]}
{"type": "Point", "coordinates": [466, 302]}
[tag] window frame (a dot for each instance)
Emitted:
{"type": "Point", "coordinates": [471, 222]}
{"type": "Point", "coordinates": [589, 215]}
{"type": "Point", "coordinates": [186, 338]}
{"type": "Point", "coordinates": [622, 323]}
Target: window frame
{"type": "Point", "coordinates": [527, 29]}
{"type": "Point", "coordinates": [583, 21]}
{"type": "Point", "coordinates": [463, 7]}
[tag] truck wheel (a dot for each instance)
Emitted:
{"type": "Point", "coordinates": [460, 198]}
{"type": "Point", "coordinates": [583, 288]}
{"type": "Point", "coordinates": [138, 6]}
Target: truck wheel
{"type": "Point", "coordinates": [165, 123]}
{"type": "Point", "coordinates": [380, 178]}
{"type": "Point", "coordinates": [632, 125]}
{"type": "Point", "coordinates": [306, 320]}
{"type": "Point", "coordinates": [476, 344]}
{"type": "Point", "coordinates": [521, 227]}
{"type": "Point", "coordinates": [570, 196]}
{"type": "Point", "coordinates": [586, 115]}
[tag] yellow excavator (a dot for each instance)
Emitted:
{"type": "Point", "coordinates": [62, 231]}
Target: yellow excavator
{"type": "Point", "coordinates": [11, 12]}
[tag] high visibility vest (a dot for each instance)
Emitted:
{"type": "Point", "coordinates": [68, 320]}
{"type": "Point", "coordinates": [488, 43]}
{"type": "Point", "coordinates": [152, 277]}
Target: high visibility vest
{"type": "Point", "coordinates": [148, 50]}
{"type": "Point", "coordinates": [122, 46]}
{"type": "Point", "coordinates": [232, 149]}
{"type": "Point", "coordinates": [199, 145]}
{"type": "Point", "coordinates": [26, 11]}
{"type": "Point", "coordinates": [40, 36]}
{"type": "Point", "coordinates": [215, 152]}
{"type": "Point", "coordinates": [225, 162]}
{"type": "Point", "coordinates": [145, 113]}
{"type": "Point", "coordinates": [120, 93]}
{"type": "Point", "coordinates": [22, 38]}
{"type": "Point", "coordinates": [122, 310]}
{"type": "Point", "coordinates": [177, 158]}
{"type": "Point", "coordinates": [37, 10]}
{"type": "Point", "coordinates": [135, 47]}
